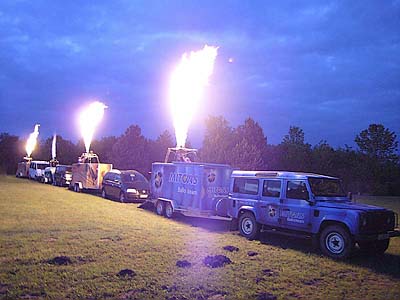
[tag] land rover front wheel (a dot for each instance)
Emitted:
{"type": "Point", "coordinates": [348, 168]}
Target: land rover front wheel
{"type": "Point", "coordinates": [160, 208]}
{"type": "Point", "coordinates": [248, 226]}
{"type": "Point", "coordinates": [336, 242]}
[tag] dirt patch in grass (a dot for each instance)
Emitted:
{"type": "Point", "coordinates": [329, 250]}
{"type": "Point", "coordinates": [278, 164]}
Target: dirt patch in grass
{"type": "Point", "coordinates": [313, 281]}
{"type": "Point", "coordinates": [231, 248]}
{"type": "Point", "coordinates": [132, 294]}
{"type": "Point", "coordinates": [217, 261]}
{"type": "Point", "coordinates": [60, 261]}
{"type": "Point", "coordinates": [183, 264]}
{"type": "Point", "coordinates": [126, 274]}
{"type": "Point", "coordinates": [266, 296]}
{"type": "Point", "coordinates": [252, 253]}
{"type": "Point", "coordinates": [3, 289]}
{"type": "Point", "coordinates": [33, 295]}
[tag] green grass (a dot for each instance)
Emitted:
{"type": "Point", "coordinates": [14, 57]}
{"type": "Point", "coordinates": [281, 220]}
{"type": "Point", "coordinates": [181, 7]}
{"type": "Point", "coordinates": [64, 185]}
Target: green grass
{"type": "Point", "coordinates": [39, 222]}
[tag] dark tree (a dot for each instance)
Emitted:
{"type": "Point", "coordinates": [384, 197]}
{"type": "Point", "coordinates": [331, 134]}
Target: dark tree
{"type": "Point", "coordinates": [159, 147]}
{"type": "Point", "coordinates": [11, 152]}
{"type": "Point", "coordinates": [218, 141]}
{"type": "Point", "coordinates": [131, 151]}
{"type": "Point", "coordinates": [378, 142]}
{"type": "Point", "coordinates": [295, 154]}
{"type": "Point", "coordinates": [250, 146]}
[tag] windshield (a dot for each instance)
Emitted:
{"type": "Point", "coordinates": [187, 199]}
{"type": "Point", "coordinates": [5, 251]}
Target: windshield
{"type": "Point", "coordinates": [42, 166]}
{"type": "Point", "coordinates": [133, 177]}
{"type": "Point", "coordinates": [326, 187]}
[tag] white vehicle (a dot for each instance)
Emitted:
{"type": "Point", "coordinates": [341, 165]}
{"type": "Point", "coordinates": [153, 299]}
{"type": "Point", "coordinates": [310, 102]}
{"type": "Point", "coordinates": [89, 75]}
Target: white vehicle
{"type": "Point", "coordinates": [36, 169]}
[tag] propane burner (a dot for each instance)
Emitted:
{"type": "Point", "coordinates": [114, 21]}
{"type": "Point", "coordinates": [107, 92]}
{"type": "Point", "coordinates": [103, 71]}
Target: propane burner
{"type": "Point", "coordinates": [181, 154]}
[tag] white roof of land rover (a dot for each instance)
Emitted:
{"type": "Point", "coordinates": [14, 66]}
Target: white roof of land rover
{"type": "Point", "coordinates": [278, 174]}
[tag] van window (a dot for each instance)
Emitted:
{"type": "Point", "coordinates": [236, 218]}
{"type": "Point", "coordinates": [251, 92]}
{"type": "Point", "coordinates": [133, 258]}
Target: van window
{"type": "Point", "coordinates": [272, 188]}
{"type": "Point", "coordinates": [245, 186]}
{"type": "Point", "coordinates": [297, 189]}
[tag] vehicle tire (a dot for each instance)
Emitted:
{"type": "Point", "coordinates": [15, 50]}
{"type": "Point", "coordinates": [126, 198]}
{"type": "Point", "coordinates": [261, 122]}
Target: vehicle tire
{"type": "Point", "coordinates": [336, 242]}
{"type": "Point", "coordinates": [169, 211]}
{"type": "Point", "coordinates": [160, 208]}
{"type": "Point", "coordinates": [103, 193]}
{"type": "Point", "coordinates": [374, 247]}
{"type": "Point", "coordinates": [248, 226]}
{"type": "Point", "coordinates": [122, 198]}
{"type": "Point", "coordinates": [77, 188]}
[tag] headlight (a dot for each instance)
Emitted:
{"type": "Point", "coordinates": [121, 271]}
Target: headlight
{"type": "Point", "coordinates": [363, 220]}
{"type": "Point", "coordinates": [133, 191]}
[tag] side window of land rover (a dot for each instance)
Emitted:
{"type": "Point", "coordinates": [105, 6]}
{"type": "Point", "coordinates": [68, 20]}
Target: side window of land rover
{"type": "Point", "coordinates": [272, 188]}
{"type": "Point", "coordinates": [297, 189]}
{"type": "Point", "coordinates": [245, 186]}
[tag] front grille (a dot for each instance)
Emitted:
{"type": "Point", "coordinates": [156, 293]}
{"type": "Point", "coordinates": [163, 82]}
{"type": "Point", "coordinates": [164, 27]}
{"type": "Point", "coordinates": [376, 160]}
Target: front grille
{"type": "Point", "coordinates": [377, 222]}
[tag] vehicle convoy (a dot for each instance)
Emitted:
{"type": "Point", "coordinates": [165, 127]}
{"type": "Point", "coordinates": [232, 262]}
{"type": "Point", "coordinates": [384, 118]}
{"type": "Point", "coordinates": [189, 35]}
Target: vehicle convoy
{"type": "Point", "coordinates": [36, 169]}
{"type": "Point", "coordinates": [62, 175]}
{"type": "Point", "coordinates": [298, 204]}
{"type": "Point", "coordinates": [88, 173]}
{"type": "Point", "coordinates": [310, 206]}
{"type": "Point", "coordinates": [126, 186]}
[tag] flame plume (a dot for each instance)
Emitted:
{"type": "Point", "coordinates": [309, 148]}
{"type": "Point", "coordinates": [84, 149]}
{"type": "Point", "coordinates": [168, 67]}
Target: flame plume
{"type": "Point", "coordinates": [187, 85]}
{"type": "Point", "coordinates": [89, 119]}
{"type": "Point", "coordinates": [53, 147]}
{"type": "Point", "coordinates": [31, 142]}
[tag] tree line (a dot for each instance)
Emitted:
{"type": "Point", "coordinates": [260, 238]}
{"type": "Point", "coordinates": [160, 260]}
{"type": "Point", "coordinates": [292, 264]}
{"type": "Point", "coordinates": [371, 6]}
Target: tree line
{"type": "Point", "coordinates": [372, 168]}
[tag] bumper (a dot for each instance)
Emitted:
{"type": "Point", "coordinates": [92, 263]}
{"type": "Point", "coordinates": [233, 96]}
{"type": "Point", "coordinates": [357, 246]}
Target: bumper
{"type": "Point", "coordinates": [136, 198]}
{"type": "Point", "coordinates": [375, 237]}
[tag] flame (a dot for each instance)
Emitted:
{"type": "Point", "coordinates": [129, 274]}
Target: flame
{"type": "Point", "coordinates": [187, 85]}
{"type": "Point", "coordinates": [31, 142]}
{"type": "Point", "coordinates": [53, 147]}
{"type": "Point", "coordinates": [89, 119]}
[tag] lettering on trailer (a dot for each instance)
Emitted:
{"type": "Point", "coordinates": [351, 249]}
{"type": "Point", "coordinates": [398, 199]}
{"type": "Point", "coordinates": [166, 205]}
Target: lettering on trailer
{"type": "Point", "coordinates": [183, 178]}
{"type": "Point", "coordinates": [292, 216]}
{"type": "Point", "coordinates": [184, 190]}
{"type": "Point", "coordinates": [217, 190]}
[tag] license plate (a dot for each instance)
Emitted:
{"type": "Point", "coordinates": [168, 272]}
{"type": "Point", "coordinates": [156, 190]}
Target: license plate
{"type": "Point", "coordinates": [384, 236]}
{"type": "Point", "coordinates": [143, 196]}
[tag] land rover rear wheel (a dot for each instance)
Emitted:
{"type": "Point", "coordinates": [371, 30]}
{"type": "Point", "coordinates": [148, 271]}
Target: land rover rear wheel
{"type": "Point", "coordinates": [336, 242]}
{"type": "Point", "coordinates": [169, 211]}
{"type": "Point", "coordinates": [160, 206]}
{"type": "Point", "coordinates": [248, 226]}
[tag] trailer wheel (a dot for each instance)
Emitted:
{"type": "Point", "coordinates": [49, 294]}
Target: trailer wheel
{"type": "Point", "coordinates": [160, 207]}
{"type": "Point", "coordinates": [77, 188]}
{"type": "Point", "coordinates": [336, 242]}
{"type": "Point", "coordinates": [169, 211]}
{"type": "Point", "coordinates": [248, 226]}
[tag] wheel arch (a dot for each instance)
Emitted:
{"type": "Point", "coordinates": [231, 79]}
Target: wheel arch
{"type": "Point", "coordinates": [326, 223]}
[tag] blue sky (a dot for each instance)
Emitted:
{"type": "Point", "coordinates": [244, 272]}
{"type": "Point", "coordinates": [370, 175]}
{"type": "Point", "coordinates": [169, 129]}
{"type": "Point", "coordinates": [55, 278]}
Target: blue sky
{"type": "Point", "coordinates": [329, 67]}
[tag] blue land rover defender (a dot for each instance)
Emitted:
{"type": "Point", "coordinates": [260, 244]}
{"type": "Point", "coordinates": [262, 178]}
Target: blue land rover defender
{"type": "Point", "coordinates": [308, 205]}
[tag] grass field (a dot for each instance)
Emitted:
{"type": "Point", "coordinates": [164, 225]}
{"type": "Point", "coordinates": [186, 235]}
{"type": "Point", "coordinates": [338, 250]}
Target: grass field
{"type": "Point", "coordinates": [96, 239]}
